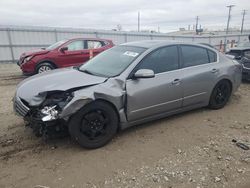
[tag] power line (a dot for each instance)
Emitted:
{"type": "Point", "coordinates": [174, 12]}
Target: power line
{"type": "Point", "coordinates": [243, 19]}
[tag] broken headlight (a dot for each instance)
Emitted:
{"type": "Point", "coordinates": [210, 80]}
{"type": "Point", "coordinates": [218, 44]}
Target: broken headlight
{"type": "Point", "coordinates": [53, 104]}
{"type": "Point", "coordinates": [50, 113]}
{"type": "Point", "coordinates": [27, 59]}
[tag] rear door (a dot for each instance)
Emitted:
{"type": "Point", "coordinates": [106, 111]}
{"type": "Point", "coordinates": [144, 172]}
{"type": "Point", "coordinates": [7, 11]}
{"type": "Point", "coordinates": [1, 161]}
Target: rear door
{"type": "Point", "coordinates": [200, 69]}
{"type": "Point", "coordinates": [75, 55]}
{"type": "Point", "coordinates": [95, 47]}
{"type": "Point", "coordinates": [163, 93]}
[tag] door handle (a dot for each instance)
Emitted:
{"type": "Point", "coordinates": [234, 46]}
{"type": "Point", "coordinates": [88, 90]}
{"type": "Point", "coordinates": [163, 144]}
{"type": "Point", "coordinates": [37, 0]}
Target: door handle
{"type": "Point", "coordinates": [176, 82]}
{"type": "Point", "coordinates": [214, 70]}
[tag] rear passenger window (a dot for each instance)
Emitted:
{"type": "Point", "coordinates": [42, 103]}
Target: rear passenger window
{"type": "Point", "coordinates": [162, 60]}
{"type": "Point", "coordinates": [192, 56]}
{"type": "Point", "coordinates": [212, 56]}
{"type": "Point", "coordinates": [94, 44]}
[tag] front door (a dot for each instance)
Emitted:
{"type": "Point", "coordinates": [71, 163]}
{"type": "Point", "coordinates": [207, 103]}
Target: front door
{"type": "Point", "coordinates": [75, 55]}
{"type": "Point", "coordinates": [151, 96]}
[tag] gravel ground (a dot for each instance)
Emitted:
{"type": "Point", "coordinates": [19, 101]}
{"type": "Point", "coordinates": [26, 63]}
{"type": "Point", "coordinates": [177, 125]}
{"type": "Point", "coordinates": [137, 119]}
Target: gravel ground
{"type": "Point", "coordinates": [193, 149]}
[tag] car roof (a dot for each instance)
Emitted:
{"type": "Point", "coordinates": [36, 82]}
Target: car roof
{"type": "Point", "coordinates": [82, 38]}
{"type": "Point", "coordinates": [159, 43]}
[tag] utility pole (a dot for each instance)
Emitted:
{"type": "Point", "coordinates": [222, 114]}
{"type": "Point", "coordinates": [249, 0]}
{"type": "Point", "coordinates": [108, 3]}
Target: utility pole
{"type": "Point", "coordinates": [243, 19]}
{"type": "Point", "coordinates": [196, 25]}
{"type": "Point", "coordinates": [138, 21]}
{"type": "Point", "coordinates": [229, 16]}
{"type": "Point", "coordinates": [228, 20]}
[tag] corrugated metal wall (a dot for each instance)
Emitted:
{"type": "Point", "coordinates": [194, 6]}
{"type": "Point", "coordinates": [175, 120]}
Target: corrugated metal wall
{"type": "Point", "coordinates": [15, 40]}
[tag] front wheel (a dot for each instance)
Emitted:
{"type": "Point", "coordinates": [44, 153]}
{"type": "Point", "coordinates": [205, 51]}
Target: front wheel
{"type": "Point", "coordinates": [94, 125]}
{"type": "Point", "coordinates": [220, 95]}
{"type": "Point", "coordinates": [44, 67]}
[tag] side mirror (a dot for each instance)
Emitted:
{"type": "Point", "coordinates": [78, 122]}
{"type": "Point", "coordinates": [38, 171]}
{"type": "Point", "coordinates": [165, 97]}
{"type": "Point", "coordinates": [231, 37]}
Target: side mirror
{"type": "Point", "coordinates": [63, 49]}
{"type": "Point", "coordinates": [144, 73]}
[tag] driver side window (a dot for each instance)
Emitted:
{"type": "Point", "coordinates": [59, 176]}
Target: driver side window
{"type": "Point", "coordinates": [162, 60]}
{"type": "Point", "coordinates": [76, 45]}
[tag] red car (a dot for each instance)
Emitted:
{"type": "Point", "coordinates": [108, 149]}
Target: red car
{"type": "Point", "coordinates": [64, 53]}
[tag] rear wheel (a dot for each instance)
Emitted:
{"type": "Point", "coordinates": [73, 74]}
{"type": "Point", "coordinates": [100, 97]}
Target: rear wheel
{"type": "Point", "coordinates": [44, 67]}
{"type": "Point", "coordinates": [94, 125]}
{"type": "Point", "coordinates": [220, 95]}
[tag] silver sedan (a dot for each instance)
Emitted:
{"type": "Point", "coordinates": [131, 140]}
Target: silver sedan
{"type": "Point", "coordinates": [126, 85]}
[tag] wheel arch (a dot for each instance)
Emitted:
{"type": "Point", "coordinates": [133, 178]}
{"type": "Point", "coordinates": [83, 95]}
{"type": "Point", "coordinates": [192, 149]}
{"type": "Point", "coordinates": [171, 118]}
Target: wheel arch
{"type": "Point", "coordinates": [112, 105]}
{"type": "Point", "coordinates": [76, 118]}
{"type": "Point", "coordinates": [46, 61]}
{"type": "Point", "coordinates": [216, 82]}
{"type": "Point", "coordinates": [225, 79]}
{"type": "Point", "coordinates": [210, 102]}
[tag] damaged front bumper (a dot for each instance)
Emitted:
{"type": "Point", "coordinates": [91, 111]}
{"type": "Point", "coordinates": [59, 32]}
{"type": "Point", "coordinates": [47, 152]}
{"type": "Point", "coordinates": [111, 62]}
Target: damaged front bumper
{"type": "Point", "coordinates": [46, 114]}
{"type": "Point", "coordinates": [46, 129]}
{"type": "Point", "coordinates": [44, 122]}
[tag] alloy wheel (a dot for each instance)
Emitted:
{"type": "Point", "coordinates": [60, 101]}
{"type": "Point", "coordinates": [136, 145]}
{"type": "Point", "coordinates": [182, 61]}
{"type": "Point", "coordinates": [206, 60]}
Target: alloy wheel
{"type": "Point", "coordinates": [94, 125]}
{"type": "Point", "coordinates": [222, 93]}
{"type": "Point", "coordinates": [44, 68]}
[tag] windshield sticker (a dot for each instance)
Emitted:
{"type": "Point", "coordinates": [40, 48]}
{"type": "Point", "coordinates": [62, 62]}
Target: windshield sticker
{"type": "Point", "coordinates": [132, 54]}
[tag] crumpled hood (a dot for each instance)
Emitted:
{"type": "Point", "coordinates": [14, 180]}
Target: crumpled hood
{"type": "Point", "coordinates": [34, 52]}
{"type": "Point", "coordinates": [56, 80]}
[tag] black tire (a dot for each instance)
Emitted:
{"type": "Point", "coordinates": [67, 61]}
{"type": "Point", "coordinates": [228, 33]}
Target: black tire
{"type": "Point", "coordinates": [220, 95]}
{"type": "Point", "coordinates": [94, 125]}
{"type": "Point", "coordinates": [44, 67]}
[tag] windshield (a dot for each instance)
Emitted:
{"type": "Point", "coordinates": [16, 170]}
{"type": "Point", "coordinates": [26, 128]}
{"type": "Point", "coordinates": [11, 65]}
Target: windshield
{"type": "Point", "coordinates": [112, 62]}
{"type": "Point", "coordinates": [55, 45]}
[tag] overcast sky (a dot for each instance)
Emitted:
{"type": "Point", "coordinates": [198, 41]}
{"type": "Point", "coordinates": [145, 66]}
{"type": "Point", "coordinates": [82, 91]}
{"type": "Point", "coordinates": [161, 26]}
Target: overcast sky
{"type": "Point", "coordinates": [107, 14]}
